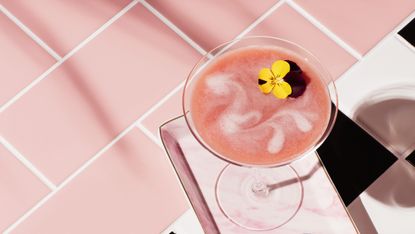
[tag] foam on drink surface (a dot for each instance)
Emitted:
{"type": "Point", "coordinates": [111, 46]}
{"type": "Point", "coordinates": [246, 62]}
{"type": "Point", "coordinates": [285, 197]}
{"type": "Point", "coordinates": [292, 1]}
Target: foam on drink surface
{"type": "Point", "coordinates": [238, 121]}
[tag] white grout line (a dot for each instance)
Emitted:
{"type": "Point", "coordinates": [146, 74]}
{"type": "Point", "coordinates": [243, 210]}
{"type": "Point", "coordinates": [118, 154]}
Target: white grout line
{"type": "Point", "coordinates": [325, 30]}
{"type": "Point", "coordinates": [70, 178]}
{"type": "Point", "coordinates": [150, 135]}
{"type": "Point", "coordinates": [29, 32]}
{"type": "Point", "coordinates": [72, 52]}
{"type": "Point", "coordinates": [136, 123]}
{"type": "Point", "coordinates": [162, 101]}
{"type": "Point", "coordinates": [28, 87]}
{"type": "Point", "coordinates": [380, 43]}
{"type": "Point", "coordinates": [181, 85]}
{"type": "Point", "coordinates": [253, 25]}
{"type": "Point", "coordinates": [32, 168]}
{"type": "Point", "coordinates": [173, 27]}
{"type": "Point", "coordinates": [260, 19]}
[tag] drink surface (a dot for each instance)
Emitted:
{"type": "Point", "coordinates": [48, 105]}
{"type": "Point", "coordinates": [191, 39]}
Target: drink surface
{"type": "Point", "coordinates": [239, 122]}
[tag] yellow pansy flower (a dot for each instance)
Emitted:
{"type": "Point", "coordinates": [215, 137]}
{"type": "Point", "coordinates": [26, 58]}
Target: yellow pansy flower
{"type": "Point", "coordinates": [272, 80]}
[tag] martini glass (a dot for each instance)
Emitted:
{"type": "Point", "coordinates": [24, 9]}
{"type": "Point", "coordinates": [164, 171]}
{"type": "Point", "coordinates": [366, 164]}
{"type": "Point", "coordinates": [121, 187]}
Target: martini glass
{"type": "Point", "coordinates": [259, 197]}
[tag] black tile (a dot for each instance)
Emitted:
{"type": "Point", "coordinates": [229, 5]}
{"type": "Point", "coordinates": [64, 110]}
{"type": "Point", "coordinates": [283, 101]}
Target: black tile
{"type": "Point", "coordinates": [353, 158]}
{"type": "Point", "coordinates": [408, 32]}
{"type": "Point", "coordinates": [411, 158]}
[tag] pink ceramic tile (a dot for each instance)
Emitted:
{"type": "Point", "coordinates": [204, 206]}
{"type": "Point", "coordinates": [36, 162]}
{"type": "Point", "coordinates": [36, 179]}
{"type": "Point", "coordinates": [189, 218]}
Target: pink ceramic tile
{"type": "Point", "coordinates": [63, 24]}
{"type": "Point", "coordinates": [169, 110]}
{"type": "Point", "coordinates": [21, 59]}
{"type": "Point", "coordinates": [360, 23]}
{"type": "Point", "coordinates": [131, 189]}
{"type": "Point", "coordinates": [82, 105]}
{"type": "Point", "coordinates": [19, 189]}
{"type": "Point", "coordinates": [286, 23]}
{"type": "Point", "coordinates": [213, 22]}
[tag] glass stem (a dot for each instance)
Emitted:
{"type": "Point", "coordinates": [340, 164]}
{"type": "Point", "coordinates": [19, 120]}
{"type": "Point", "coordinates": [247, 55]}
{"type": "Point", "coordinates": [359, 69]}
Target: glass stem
{"type": "Point", "coordinates": [259, 186]}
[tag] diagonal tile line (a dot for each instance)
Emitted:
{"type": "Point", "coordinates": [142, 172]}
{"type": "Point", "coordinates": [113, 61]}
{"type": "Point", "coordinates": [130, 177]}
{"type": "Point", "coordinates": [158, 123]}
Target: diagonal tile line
{"type": "Point", "coordinates": [68, 55]}
{"type": "Point", "coordinates": [150, 135]}
{"type": "Point", "coordinates": [82, 168]}
{"type": "Point", "coordinates": [32, 168]}
{"type": "Point", "coordinates": [324, 29]}
{"type": "Point", "coordinates": [69, 179]}
{"type": "Point", "coordinates": [173, 27]}
{"type": "Point", "coordinates": [380, 43]}
{"type": "Point", "coordinates": [29, 32]}
{"type": "Point", "coordinates": [259, 20]}
{"type": "Point", "coordinates": [181, 85]}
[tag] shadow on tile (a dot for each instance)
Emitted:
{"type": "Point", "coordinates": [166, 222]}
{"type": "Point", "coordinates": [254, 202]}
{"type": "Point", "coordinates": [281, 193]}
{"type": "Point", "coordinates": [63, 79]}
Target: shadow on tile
{"type": "Point", "coordinates": [48, 35]}
{"type": "Point", "coordinates": [389, 114]}
{"type": "Point", "coordinates": [77, 78]}
{"type": "Point", "coordinates": [20, 39]}
{"type": "Point", "coordinates": [361, 217]}
{"type": "Point", "coordinates": [206, 36]}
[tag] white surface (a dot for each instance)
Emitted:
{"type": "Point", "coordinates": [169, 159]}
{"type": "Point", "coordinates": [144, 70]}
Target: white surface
{"type": "Point", "coordinates": [185, 224]}
{"type": "Point", "coordinates": [387, 73]}
{"type": "Point", "coordinates": [389, 201]}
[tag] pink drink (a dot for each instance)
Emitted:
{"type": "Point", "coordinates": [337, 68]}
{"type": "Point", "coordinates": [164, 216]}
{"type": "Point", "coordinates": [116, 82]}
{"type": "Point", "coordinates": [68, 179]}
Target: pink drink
{"type": "Point", "coordinates": [240, 123]}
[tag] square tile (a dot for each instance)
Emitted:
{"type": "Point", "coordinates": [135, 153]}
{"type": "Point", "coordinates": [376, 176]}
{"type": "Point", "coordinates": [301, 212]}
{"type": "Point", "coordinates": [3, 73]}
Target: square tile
{"type": "Point", "coordinates": [362, 24]}
{"type": "Point", "coordinates": [287, 24]}
{"type": "Point", "coordinates": [21, 59]}
{"type": "Point", "coordinates": [408, 33]}
{"type": "Point", "coordinates": [389, 201]}
{"type": "Point", "coordinates": [411, 158]}
{"type": "Point", "coordinates": [379, 93]}
{"type": "Point", "coordinates": [212, 22]}
{"type": "Point", "coordinates": [131, 188]}
{"type": "Point", "coordinates": [19, 189]}
{"type": "Point", "coordinates": [63, 24]}
{"type": "Point", "coordinates": [349, 146]}
{"type": "Point", "coordinates": [83, 104]}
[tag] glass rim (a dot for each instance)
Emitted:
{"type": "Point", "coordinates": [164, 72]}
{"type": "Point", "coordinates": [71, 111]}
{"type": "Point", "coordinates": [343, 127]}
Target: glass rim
{"type": "Point", "coordinates": [301, 155]}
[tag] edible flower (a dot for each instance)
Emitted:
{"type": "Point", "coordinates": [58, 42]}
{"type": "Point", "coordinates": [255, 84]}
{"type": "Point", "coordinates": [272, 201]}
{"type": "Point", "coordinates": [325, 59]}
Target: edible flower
{"type": "Point", "coordinates": [272, 80]}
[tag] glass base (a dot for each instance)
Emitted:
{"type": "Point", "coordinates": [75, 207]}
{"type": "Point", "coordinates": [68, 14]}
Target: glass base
{"type": "Point", "coordinates": [259, 199]}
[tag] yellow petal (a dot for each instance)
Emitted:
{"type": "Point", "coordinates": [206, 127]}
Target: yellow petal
{"type": "Point", "coordinates": [280, 68]}
{"type": "Point", "coordinates": [282, 90]}
{"type": "Point", "coordinates": [266, 88]}
{"type": "Point", "coordinates": [264, 80]}
{"type": "Point", "coordinates": [265, 74]}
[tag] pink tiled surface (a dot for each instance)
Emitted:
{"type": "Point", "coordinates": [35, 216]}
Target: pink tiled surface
{"type": "Point", "coordinates": [130, 189]}
{"type": "Point", "coordinates": [114, 80]}
{"type": "Point", "coordinates": [21, 59]}
{"type": "Point", "coordinates": [360, 23]}
{"type": "Point", "coordinates": [83, 104]}
{"type": "Point", "coordinates": [169, 110]}
{"type": "Point", "coordinates": [288, 24]}
{"type": "Point", "coordinates": [19, 189]}
{"type": "Point", "coordinates": [64, 24]}
{"type": "Point", "coordinates": [213, 22]}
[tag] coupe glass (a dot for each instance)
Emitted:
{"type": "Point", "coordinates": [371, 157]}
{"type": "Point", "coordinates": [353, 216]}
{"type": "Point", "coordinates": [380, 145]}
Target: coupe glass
{"type": "Point", "coordinates": [259, 197]}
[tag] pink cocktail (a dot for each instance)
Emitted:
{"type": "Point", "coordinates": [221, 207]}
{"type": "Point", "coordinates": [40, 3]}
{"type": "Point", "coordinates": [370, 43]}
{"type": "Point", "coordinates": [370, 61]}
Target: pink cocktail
{"type": "Point", "coordinates": [231, 115]}
{"type": "Point", "coordinates": [244, 125]}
